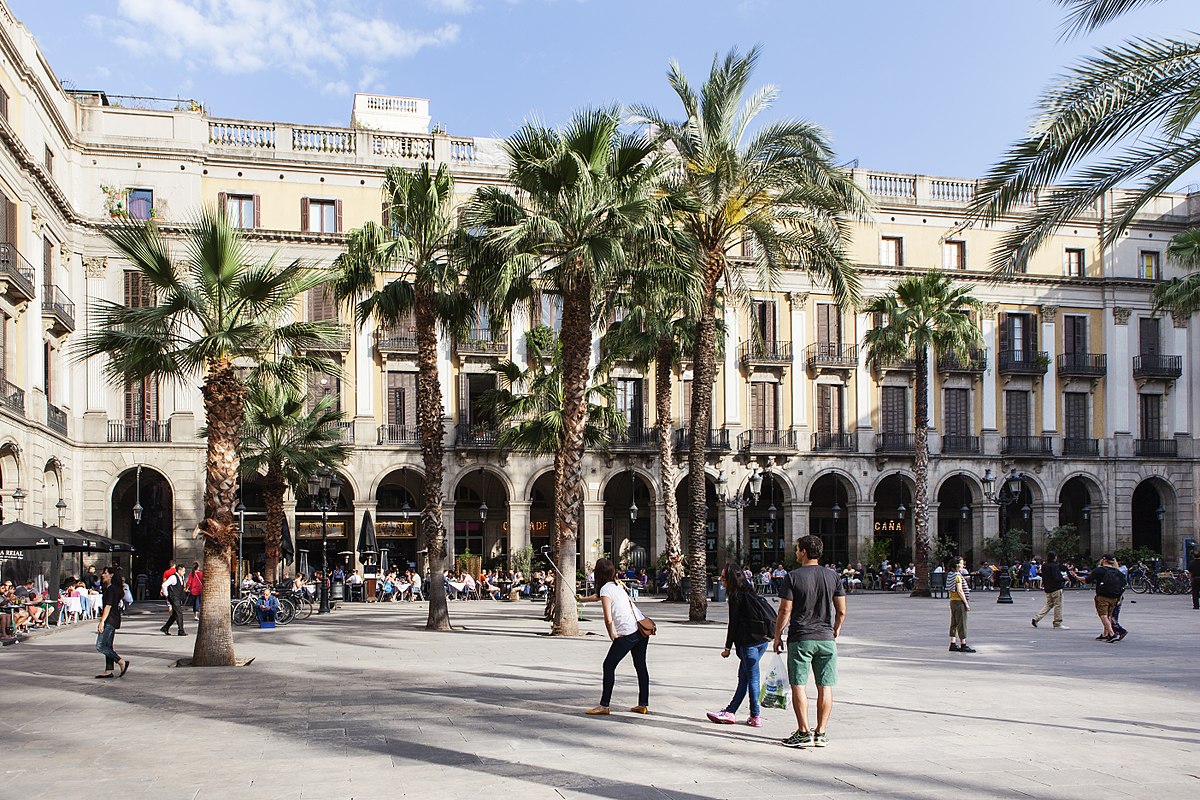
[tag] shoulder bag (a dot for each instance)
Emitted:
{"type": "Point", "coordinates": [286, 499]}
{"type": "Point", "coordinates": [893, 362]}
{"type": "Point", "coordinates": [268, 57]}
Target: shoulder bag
{"type": "Point", "coordinates": [645, 625]}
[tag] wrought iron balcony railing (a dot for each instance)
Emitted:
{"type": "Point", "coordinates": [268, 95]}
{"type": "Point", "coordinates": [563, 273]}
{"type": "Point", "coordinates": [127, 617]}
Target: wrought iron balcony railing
{"type": "Point", "coordinates": [717, 440]}
{"type": "Point", "coordinates": [399, 434]}
{"type": "Point", "coordinates": [1157, 448]}
{"type": "Point", "coordinates": [1022, 362]}
{"type": "Point", "coordinates": [1083, 365]}
{"type": "Point", "coordinates": [825, 440]}
{"type": "Point", "coordinates": [766, 352]}
{"type": "Point", "coordinates": [139, 431]}
{"type": "Point", "coordinates": [767, 440]}
{"type": "Point", "coordinates": [56, 418]}
{"type": "Point", "coordinates": [56, 304]}
{"type": "Point", "coordinates": [976, 361]}
{"type": "Point", "coordinates": [1027, 445]}
{"type": "Point", "coordinates": [831, 355]}
{"type": "Point", "coordinates": [894, 443]}
{"type": "Point", "coordinates": [960, 444]}
{"type": "Point", "coordinates": [1158, 366]}
{"type": "Point", "coordinates": [1081, 447]}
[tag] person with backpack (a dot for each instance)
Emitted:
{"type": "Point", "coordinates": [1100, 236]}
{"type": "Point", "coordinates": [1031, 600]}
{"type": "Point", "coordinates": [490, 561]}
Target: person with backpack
{"type": "Point", "coordinates": [1110, 585]}
{"type": "Point", "coordinates": [751, 628]}
{"type": "Point", "coordinates": [1052, 585]}
{"type": "Point", "coordinates": [195, 588]}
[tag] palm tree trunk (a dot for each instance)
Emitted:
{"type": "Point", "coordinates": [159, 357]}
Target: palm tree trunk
{"type": "Point", "coordinates": [576, 337]}
{"type": "Point", "coordinates": [704, 373]}
{"type": "Point", "coordinates": [224, 396]}
{"type": "Point", "coordinates": [921, 475]}
{"type": "Point", "coordinates": [430, 414]}
{"type": "Point", "coordinates": [274, 490]}
{"type": "Point", "coordinates": [666, 467]}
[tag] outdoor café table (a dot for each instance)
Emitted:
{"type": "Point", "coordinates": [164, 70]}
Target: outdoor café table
{"type": "Point", "coordinates": [505, 588]}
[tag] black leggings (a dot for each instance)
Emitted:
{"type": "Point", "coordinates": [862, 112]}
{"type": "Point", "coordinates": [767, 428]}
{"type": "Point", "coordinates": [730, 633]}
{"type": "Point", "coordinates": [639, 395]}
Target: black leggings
{"type": "Point", "coordinates": [621, 646]}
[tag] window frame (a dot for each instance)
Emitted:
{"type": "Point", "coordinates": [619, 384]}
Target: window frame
{"type": "Point", "coordinates": [130, 193]}
{"type": "Point", "coordinates": [899, 243]}
{"type": "Point", "coordinates": [958, 246]}
{"type": "Point", "coordinates": [1155, 265]}
{"type": "Point", "coordinates": [1069, 267]}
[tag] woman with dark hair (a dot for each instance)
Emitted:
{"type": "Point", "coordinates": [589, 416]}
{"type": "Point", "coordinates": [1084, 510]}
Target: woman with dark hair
{"type": "Point", "coordinates": [621, 618]}
{"type": "Point", "coordinates": [110, 622]}
{"type": "Point", "coordinates": [750, 637]}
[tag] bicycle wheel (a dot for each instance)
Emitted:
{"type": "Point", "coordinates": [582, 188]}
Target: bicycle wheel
{"type": "Point", "coordinates": [286, 613]}
{"type": "Point", "coordinates": [1139, 585]}
{"type": "Point", "coordinates": [1166, 585]}
{"type": "Point", "coordinates": [304, 606]}
{"type": "Point", "coordinates": [243, 613]}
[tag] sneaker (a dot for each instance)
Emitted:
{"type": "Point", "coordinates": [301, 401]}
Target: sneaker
{"type": "Point", "coordinates": [799, 739]}
{"type": "Point", "coordinates": [1034, 621]}
{"type": "Point", "coordinates": [721, 717]}
{"type": "Point", "coordinates": [954, 648]}
{"type": "Point", "coordinates": [754, 722]}
{"type": "Point", "coordinates": [820, 740]}
{"type": "Point", "coordinates": [1102, 637]}
{"type": "Point", "coordinates": [1122, 635]}
{"type": "Point", "coordinates": [965, 649]}
{"type": "Point", "coordinates": [1111, 639]}
{"type": "Point", "coordinates": [1061, 628]}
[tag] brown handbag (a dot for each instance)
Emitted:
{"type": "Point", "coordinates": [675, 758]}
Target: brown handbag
{"type": "Point", "coordinates": [645, 625]}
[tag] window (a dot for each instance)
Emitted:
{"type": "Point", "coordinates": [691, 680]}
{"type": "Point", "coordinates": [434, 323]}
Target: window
{"type": "Point", "coordinates": [141, 204]}
{"type": "Point", "coordinates": [1150, 416]}
{"type": "Point", "coordinates": [241, 209]}
{"type": "Point", "coordinates": [1148, 336]}
{"type": "Point", "coordinates": [1075, 416]}
{"type": "Point", "coordinates": [954, 255]}
{"type": "Point", "coordinates": [957, 411]}
{"type": "Point", "coordinates": [549, 311]}
{"type": "Point", "coordinates": [49, 160]}
{"type": "Point", "coordinates": [322, 306]}
{"type": "Point", "coordinates": [139, 292]}
{"type": "Point", "coordinates": [472, 387]}
{"type": "Point", "coordinates": [141, 400]}
{"type": "Point", "coordinates": [48, 371]}
{"type": "Point", "coordinates": [1016, 413]}
{"type": "Point", "coordinates": [749, 248]}
{"type": "Point", "coordinates": [630, 401]}
{"type": "Point", "coordinates": [893, 410]}
{"type": "Point", "coordinates": [1074, 262]}
{"type": "Point", "coordinates": [322, 385]}
{"type": "Point", "coordinates": [1018, 337]}
{"type": "Point", "coordinates": [764, 322]}
{"type": "Point", "coordinates": [402, 399]}
{"type": "Point", "coordinates": [1150, 267]}
{"type": "Point", "coordinates": [8, 220]}
{"type": "Point", "coordinates": [829, 324]}
{"type": "Point", "coordinates": [1075, 334]}
{"type": "Point", "coordinates": [320, 216]}
{"type": "Point", "coordinates": [3, 104]}
{"type": "Point", "coordinates": [830, 405]}
{"type": "Point", "coordinates": [3, 346]}
{"type": "Point", "coordinates": [764, 406]}
{"type": "Point", "coordinates": [47, 261]}
{"type": "Point", "coordinates": [891, 251]}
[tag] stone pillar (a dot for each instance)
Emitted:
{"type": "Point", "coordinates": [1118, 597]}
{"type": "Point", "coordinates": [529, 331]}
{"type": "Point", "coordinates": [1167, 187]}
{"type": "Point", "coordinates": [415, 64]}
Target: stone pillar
{"type": "Point", "coordinates": [364, 375]}
{"type": "Point", "coordinates": [727, 534]}
{"type": "Point", "coordinates": [448, 508]}
{"type": "Point", "coordinates": [1120, 406]}
{"type": "Point", "coordinates": [449, 396]}
{"type": "Point", "coordinates": [798, 524]}
{"type": "Point", "coordinates": [591, 537]}
{"type": "Point", "coordinates": [989, 376]}
{"type": "Point", "coordinates": [978, 513]}
{"type": "Point", "coordinates": [799, 376]}
{"type": "Point", "coordinates": [1050, 379]}
{"type": "Point", "coordinates": [862, 385]}
{"type": "Point", "coordinates": [1177, 338]}
{"type": "Point", "coordinates": [731, 374]}
{"type": "Point", "coordinates": [861, 528]}
{"type": "Point", "coordinates": [1045, 515]}
{"type": "Point", "coordinates": [518, 525]}
{"type": "Point", "coordinates": [987, 519]}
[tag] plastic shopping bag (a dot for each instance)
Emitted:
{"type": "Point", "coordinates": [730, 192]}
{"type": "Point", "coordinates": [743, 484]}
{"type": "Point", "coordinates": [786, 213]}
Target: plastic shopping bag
{"type": "Point", "coordinates": [774, 693]}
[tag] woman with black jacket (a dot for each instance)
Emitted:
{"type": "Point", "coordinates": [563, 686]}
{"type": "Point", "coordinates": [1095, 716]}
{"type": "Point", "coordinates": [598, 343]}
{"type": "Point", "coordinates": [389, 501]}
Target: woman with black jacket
{"type": "Point", "coordinates": [750, 638]}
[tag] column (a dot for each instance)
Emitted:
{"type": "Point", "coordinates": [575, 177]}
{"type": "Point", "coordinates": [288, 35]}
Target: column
{"type": "Point", "coordinates": [362, 507]}
{"type": "Point", "coordinates": [448, 508]}
{"type": "Point", "coordinates": [862, 380]}
{"type": "Point", "coordinates": [591, 537]}
{"type": "Point", "coordinates": [799, 377]}
{"type": "Point", "coordinates": [862, 528]}
{"type": "Point", "coordinates": [364, 375]}
{"type": "Point", "coordinates": [519, 322]}
{"type": "Point", "coordinates": [732, 375]}
{"type": "Point", "coordinates": [518, 525]}
{"type": "Point", "coordinates": [979, 513]}
{"type": "Point", "coordinates": [1047, 514]}
{"type": "Point", "coordinates": [798, 524]}
{"type": "Point", "coordinates": [1180, 391]}
{"type": "Point", "coordinates": [1119, 401]}
{"type": "Point", "coordinates": [931, 389]}
{"type": "Point", "coordinates": [1050, 379]}
{"type": "Point", "coordinates": [989, 375]}
{"type": "Point", "coordinates": [986, 521]}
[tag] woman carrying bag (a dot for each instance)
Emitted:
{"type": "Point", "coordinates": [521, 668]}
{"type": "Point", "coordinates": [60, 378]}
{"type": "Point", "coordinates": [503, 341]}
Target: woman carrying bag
{"type": "Point", "coordinates": [750, 637]}
{"type": "Point", "coordinates": [629, 629]}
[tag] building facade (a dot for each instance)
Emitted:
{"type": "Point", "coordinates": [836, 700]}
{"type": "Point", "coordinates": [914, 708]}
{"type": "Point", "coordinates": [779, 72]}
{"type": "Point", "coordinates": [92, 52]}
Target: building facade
{"type": "Point", "coordinates": [1078, 385]}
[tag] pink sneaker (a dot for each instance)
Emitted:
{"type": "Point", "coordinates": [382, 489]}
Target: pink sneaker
{"type": "Point", "coordinates": [754, 722]}
{"type": "Point", "coordinates": [721, 717]}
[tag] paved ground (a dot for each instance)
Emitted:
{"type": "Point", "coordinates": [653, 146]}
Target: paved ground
{"type": "Point", "coordinates": [363, 704]}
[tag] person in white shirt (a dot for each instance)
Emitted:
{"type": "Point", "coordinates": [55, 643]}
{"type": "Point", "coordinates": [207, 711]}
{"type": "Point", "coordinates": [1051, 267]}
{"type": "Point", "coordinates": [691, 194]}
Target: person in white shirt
{"type": "Point", "coordinates": [621, 618]}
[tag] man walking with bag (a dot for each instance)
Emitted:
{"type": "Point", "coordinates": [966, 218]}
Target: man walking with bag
{"type": "Point", "coordinates": [173, 589]}
{"type": "Point", "coordinates": [1110, 585]}
{"type": "Point", "coordinates": [812, 604]}
{"type": "Point", "coordinates": [1052, 585]}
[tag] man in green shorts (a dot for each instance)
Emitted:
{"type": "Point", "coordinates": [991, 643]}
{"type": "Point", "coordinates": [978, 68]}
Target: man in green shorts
{"type": "Point", "coordinates": [813, 607]}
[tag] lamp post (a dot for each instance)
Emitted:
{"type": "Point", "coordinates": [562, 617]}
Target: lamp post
{"type": "Point", "coordinates": [240, 510]}
{"type": "Point", "coordinates": [18, 497]}
{"type": "Point", "coordinates": [61, 505]}
{"type": "Point", "coordinates": [137, 496]}
{"type": "Point", "coordinates": [1007, 495]}
{"type": "Point", "coordinates": [324, 489]}
{"type": "Point", "coordinates": [740, 502]}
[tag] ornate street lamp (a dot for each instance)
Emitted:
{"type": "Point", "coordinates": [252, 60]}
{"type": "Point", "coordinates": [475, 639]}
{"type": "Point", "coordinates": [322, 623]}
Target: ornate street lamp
{"type": "Point", "coordinates": [741, 502]}
{"type": "Point", "coordinates": [18, 497]}
{"type": "Point", "coordinates": [1009, 494]}
{"type": "Point", "coordinates": [324, 490]}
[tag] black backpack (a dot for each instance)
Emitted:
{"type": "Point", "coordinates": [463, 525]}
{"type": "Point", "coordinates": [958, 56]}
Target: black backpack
{"type": "Point", "coordinates": [759, 616]}
{"type": "Point", "coordinates": [1111, 583]}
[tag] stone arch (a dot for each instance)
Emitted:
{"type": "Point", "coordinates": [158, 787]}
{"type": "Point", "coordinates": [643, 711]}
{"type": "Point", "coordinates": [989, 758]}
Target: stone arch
{"type": "Point", "coordinates": [386, 472]}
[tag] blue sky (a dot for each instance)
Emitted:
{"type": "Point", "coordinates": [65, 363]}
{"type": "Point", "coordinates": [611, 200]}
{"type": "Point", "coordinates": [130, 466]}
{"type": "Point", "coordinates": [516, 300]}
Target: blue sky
{"type": "Point", "coordinates": [928, 86]}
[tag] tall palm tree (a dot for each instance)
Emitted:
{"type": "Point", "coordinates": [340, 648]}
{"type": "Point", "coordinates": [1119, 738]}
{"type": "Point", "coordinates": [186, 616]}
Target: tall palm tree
{"type": "Point", "coordinates": [287, 442]}
{"type": "Point", "coordinates": [580, 196]}
{"type": "Point", "coordinates": [1181, 295]}
{"type": "Point", "coordinates": [921, 317]}
{"type": "Point", "coordinates": [214, 306]}
{"type": "Point", "coordinates": [777, 188]}
{"type": "Point", "coordinates": [1124, 114]}
{"type": "Point", "coordinates": [415, 258]}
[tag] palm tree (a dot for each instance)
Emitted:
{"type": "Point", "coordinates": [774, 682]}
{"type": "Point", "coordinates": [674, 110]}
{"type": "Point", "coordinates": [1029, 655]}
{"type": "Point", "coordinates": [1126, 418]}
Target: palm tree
{"type": "Point", "coordinates": [214, 306]}
{"type": "Point", "coordinates": [922, 316]}
{"type": "Point", "coordinates": [580, 196]}
{"type": "Point", "coordinates": [1181, 295]}
{"type": "Point", "coordinates": [287, 442]}
{"type": "Point", "coordinates": [415, 255]}
{"type": "Point", "coordinates": [778, 189]}
{"type": "Point", "coordinates": [1124, 114]}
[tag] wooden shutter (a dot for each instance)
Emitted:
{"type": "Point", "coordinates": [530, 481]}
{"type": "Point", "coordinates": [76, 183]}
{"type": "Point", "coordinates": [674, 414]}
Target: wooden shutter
{"type": "Point", "coordinates": [1016, 413]}
{"type": "Point", "coordinates": [321, 305]}
{"type": "Point", "coordinates": [385, 216]}
{"type": "Point", "coordinates": [47, 261]}
{"type": "Point", "coordinates": [223, 203]}
{"type": "Point", "coordinates": [10, 221]}
{"type": "Point", "coordinates": [3, 346]}
{"type": "Point", "coordinates": [1075, 334]}
{"type": "Point", "coordinates": [257, 211]}
{"type": "Point", "coordinates": [1003, 323]}
{"type": "Point", "coordinates": [1075, 415]}
{"type": "Point", "coordinates": [686, 395]}
{"type": "Point", "coordinates": [3, 103]}
{"type": "Point", "coordinates": [1032, 338]}
{"type": "Point", "coordinates": [402, 399]}
{"type": "Point", "coordinates": [1150, 406]}
{"type": "Point", "coordinates": [337, 228]}
{"type": "Point", "coordinates": [957, 412]}
{"type": "Point", "coordinates": [464, 399]}
{"type": "Point", "coordinates": [894, 410]}
{"type": "Point", "coordinates": [824, 408]}
{"type": "Point", "coordinates": [829, 324]}
{"type": "Point", "coordinates": [304, 203]}
{"type": "Point", "coordinates": [1148, 331]}
{"type": "Point", "coordinates": [139, 293]}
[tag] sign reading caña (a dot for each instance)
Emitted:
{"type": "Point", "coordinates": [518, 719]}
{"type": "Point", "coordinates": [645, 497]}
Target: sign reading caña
{"type": "Point", "coordinates": [886, 525]}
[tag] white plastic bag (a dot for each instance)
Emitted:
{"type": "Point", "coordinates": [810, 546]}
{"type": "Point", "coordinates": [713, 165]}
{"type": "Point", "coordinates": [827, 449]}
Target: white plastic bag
{"type": "Point", "coordinates": [774, 693]}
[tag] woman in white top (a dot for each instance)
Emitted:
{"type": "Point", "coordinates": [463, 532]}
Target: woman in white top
{"type": "Point", "coordinates": [621, 618]}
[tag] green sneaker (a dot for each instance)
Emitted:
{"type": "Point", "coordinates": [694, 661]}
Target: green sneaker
{"type": "Point", "coordinates": [820, 740]}
{"type": "Point", "coordinates": [799, 739]}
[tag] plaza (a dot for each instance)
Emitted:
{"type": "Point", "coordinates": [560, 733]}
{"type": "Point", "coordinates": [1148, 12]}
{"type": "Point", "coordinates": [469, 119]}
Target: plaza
{"type": "Point", "coordinates": [365, 704]}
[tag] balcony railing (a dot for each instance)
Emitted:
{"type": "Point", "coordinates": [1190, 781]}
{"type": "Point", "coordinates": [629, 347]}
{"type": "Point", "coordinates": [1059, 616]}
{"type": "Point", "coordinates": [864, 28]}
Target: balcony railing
{"type": "Point", "coordinates": [1083, 365]}
{"type": "Point", "coordinates": [56, 418]}
{"type": "Point", "coordinates": [894, 443]}
{"type": "Point", "coordinates": [481, 437]}
{"type": "Point", "coordinates": [1027, 445]}
{"type": "Point", "coordinates": [1162, 367]}
{"type": "Point", "coordinates": [960, 444]}
{"type": "Point", "coordinates": [481, 342]}
{"type": "Point", "coordinates": [766, 440]}
{"type": "Point", "coordinates": [717, 440]}
{"type": "Point", "coordinates": [56, 303]}
{"type": "Point", "coordinates": [12, 397]}
{"type": "Point", "coordinates": [634, 438]}
{"type": "Point", "coordinates": [753, 352]}
{"type": "Point", "coordinates": [396, 340]}
{"type": "Point", "coordinates": [831, 354]}
{"type": "Point", "coordinates": [399, 434]}
{"type": "Point", "coordinates": [1023, 362]}
{"type": "Point", "coordinates": [976, 361]}
{"type": "Point", "coordinates": [337, 342]}
{"type": "Point", "coordinates": [1157, 448]}
{"type": "Point", "coordinates": [139, 431]}
{"type": "Point", "coordinates": [1081, 447]}
{"type": "Point", "coordinates": [906, 363]}
{"type": "Point", "coordinates": [345, 431]}
{"type": "Point", "coordinates": [16, 272]}
{"type": "Point", "coordinates": [825, 440]}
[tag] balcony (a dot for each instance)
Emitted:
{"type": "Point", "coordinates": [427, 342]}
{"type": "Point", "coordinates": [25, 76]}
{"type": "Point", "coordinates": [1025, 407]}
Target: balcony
{"type": "Point", "coordinates": [58, 307]}
{"type": "Point", "coordinates": [400, 340]}
{"type": "Point", "coordinates": [906, 363]}
{"type": "Point", "coordinates": [974, 363]}
{"type": "Point", "coordinates": [1157, 448]}
{"type": "Point", "coordinates": [400, 434]}
{"type": "Point", "coordinates": [1153, 367]}
{"type": "Point", "coordinates": [768, 441]}
{"type": "Point", "coordinates": [12, 397]}
{"type": "Point", "coordinates": [895, 443]}
{"type": "Point", "coordinates": [960, 444]}
{"type": "Point", "coordinates": [769, 354]}
{"type": "Point", "coordinates": [338, 340]}
{"type": "Point", "coordinates": [716, 441]}
{"type": "Point", "coordinates": [831, 355]}
{"type": "Point", "coordinates": [1022, 362]}
{"type": "Point", "coordinates": [56, 418]}
{"type": "Point", "coordinates": [17, 275]}
{"type": "Point", "coordinates": [1081, 447]}
{"type": "Point", "coordinates": [634, 438]}
{"type": "Point", "coordinates": [475, 437]}
{"type": "Point", "coordinates": [483, 342]}
{"type": "Point", "coordinates": [139, 431]}
{"type": "Point", "coordinates": [825, 440]}
{"type": "Point", "coordinates": [1082, 365]}
{"type": "Point", "coordinates": [1027, 445]}
{"type": "Point", "coordinates": [345, 431]}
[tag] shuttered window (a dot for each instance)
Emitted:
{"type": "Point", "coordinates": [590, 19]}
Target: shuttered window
{"type": "Point", "coordinates": [322, 305]}
{"type": "Point", "coordinates": [893, 411]}
{"type": "Point", "coordinates": [957, 412]}
{"type": "Point", "coordinates": [320, 216]}
{"type": "Point", "coordinates": [630, 401]}
{"type": "Point", "coordinates": [141, 400]}
{"type": "Point", "coordinates": [47, 261]}
{"type": "Point", "coordinates": [1018, 336]}
{"type": "Point", "coordinates": [1150, 416]}
{"type": "Point", "coordinates": [8, 220]}
{"type": "Point", "coordinates": [243, 210]}
{"type": "Point", "coordinates": [1075, 415]}
{"type": "Point", "coordinates": [829, 408]}
{"type": "Point", "coordinates": [322, 385]}
{"type": "Point", "coordinates": [829, 324]}
{"type": "Point", "coordinates": [1148, 336]}
{"type": "Point", "coordinates": [471, 389]}
{"type": "Point", "coordinates": [3, 104]}
{"type": "Point", "coordinates": [891, 251]}
{"type": "Point", "coordinates": [1074, 262]}
{"type": "Point", "coordinates": [764, 406]}
{"type": "Point", "coordinates": [3, 346]}
{"type": "Point", "coordinates": [764, 321]}
{"type": "Point", "coordinates": [402, 399]}
{"type": "Point", "coordinates": [1150, 269]}
{"type": "Point", "coordinates": [1016, 413]}
{"type": "Point", "coordinates": [1075, 335]}
{"type": "Point", "coordinates": [139, 292]}
{"type": "Point", "coordinates": [954, 255]}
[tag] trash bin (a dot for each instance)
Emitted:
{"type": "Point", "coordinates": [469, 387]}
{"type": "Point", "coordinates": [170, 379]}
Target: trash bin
{"type": "Point", "coordinates": [337, 592]}
{"type": "Point", "coordinates": [685, 586]}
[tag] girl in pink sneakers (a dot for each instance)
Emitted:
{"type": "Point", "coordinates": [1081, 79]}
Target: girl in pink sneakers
{"type": "Point", "coordinates": [751, 626]}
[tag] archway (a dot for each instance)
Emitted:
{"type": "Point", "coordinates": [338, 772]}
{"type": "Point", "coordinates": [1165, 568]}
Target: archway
{"type": "Point", "coordinates": [541, 517]}
{"type": "Point", "coordinates": [252, 546]}
{"type": "Point", "coordinates": [1149, 514]}
{"type": "Point", "coordinates": [713, 557]}
{"type": "Point", "coordinates": [1018, 516]}
{"type": "Point", "coordinates": [10, 478]}
{"type": "Point", "coordinates": [337, 547]}
{"type": "Point", "coordinates": [628, 522]}
{"type": "Point", "coordinates": [955, 522]}
{"type": "Point", "coordinates": [892, 528]}
{"type": "Point", "coordinates": [52, 493]}
{"type": "Point", "coordinates": [481, 521]}
{"type": "Point", "coordinates": [150, 528]}
{"type": "Point", "coordinates": [765, 526]}
{"type": "Point", "coordinates": [1078, 505]}
{"type": "Point", "coordinates": [830, 500]}
{"type": "Point", "coordinates": [397, 516]}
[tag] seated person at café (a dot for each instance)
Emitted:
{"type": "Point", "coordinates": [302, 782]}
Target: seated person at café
{"type": "Point", "coordinates": [487, 586]}
{"type": "Point", "coordinates": [29, 597]}
{"type": "Point", "coordinates": [339, 574]}
{"type": "Point", "coordinates": [267, 607]}
{"type": "Point", "coordinates": [387, 588]}
{"type": "Point", "coordinates": [354, 579]}
{"type": "Point", "coordinates": [417, 592]}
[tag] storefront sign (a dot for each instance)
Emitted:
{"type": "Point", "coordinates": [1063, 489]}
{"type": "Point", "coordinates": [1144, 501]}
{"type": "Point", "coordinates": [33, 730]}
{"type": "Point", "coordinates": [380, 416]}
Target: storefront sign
{"type": "Point", "coordinates": [312, 530]}
{"type": "Point", "coordinates": [396, 529]}
{"type": "Point", "coordinates": [888, 525]}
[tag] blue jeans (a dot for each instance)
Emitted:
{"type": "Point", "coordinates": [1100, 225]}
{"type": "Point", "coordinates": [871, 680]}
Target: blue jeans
{"type": "Point", "coordinates": [104, 646]}
{"type": "Point", "coordinates": [634, 643]}
{"type": "Point", "coordinates": [749, 656]}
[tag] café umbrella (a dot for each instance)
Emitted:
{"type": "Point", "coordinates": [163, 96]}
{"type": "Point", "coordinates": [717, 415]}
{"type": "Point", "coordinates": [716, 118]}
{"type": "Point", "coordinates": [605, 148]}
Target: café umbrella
{"type": "Point", "coordinates": [366, 536]}
{"type": "Point", "coordinates": [23, 536]}
{"type": "Point", "coordinates": [286, 549]}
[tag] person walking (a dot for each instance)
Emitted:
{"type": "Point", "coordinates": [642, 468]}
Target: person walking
{"type": "Point", "coordinates": [1110, 585]}
{"type": "Point", "coordinates": [173, 590]}
{"type": "Point", "coordinates": [812, 606]}
{"type": "Point", "coordinates": [621, 618]}
{"type": "Point", "coordinates": [959, 591]}
{"type": "Point", "coordinates": [195, 588]}
{"type": "Point", "coordinates": [1193, 568]}
{"type": "Point", "coordinates": [110, 622]}
{"type": "Point", "coordinates": [1052, 585]}
{"type": "Point", "coordinates": [749, 632]}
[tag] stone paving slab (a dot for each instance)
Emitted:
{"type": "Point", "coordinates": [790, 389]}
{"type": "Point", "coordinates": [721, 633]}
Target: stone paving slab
{"type": "Point", "coordinates": [366, 704]}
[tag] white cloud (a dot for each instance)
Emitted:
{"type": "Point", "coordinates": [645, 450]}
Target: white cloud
{"type": "Point", "coordinates": [452, 6]}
